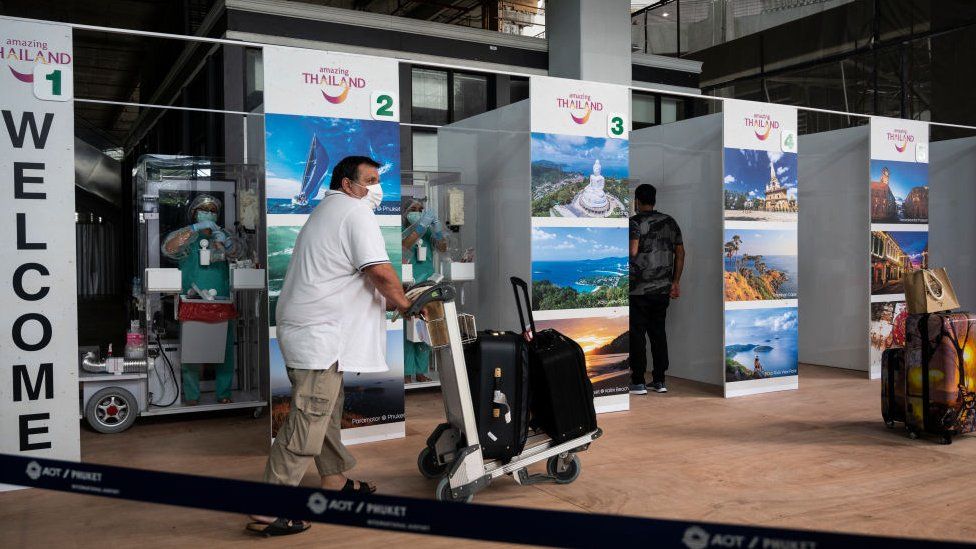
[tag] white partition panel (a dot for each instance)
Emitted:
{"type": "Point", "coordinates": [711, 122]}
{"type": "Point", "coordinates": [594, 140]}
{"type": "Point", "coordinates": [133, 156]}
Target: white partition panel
{"type": "Point", "coordinates": [952, 225]}
{"type": "Point", "coordinates": [492, 151]}
{"type": "Point", "coordinates": [684, 161]}
{"type": "Point", "coordinates": [834, 233]}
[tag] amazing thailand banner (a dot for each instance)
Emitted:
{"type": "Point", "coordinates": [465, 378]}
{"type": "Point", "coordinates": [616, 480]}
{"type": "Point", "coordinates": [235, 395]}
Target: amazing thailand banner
{"type": "Point", "coordinates": [898, 174]}
{"type": "Point", "coordinates": [759, 252]}
{"type": "Point", "coordinates": [319, 108]}
{"type": "Point", "coordinates": [39, 338]}
{"type": "Point", "coordinates": [580, 161]}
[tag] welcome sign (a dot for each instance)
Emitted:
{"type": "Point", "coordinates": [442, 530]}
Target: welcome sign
{"type": "Point", "coordinates": [38, 322]}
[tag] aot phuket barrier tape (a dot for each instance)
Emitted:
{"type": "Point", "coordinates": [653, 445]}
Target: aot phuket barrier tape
{"type": "Point", "coordinates": [400, 514]}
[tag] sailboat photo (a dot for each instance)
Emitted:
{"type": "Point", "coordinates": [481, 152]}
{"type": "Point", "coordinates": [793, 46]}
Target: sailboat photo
{"type": "Point", "coordinates": [316, 165]}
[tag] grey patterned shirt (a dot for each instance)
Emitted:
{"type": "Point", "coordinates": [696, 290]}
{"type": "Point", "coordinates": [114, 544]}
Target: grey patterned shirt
{"type": "Point", "coordinates": [652, 269]}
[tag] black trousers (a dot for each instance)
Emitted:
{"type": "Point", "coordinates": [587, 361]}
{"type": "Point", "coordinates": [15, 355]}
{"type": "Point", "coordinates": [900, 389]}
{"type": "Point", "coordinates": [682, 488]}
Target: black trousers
{"type": "Point", "coordinates": [647, 316]}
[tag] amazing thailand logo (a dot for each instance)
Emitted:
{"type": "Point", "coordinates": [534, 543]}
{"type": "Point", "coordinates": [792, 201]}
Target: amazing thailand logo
{"type": "Point", "coordinates": [900, 139]}
{"type": "Point", "coordinates": [762, 125]}
{"type": "Point", "coordinates": [21, 56]}
{"type": "Point", "coordinates": [580, 106]}
{"type": "Point", "coordinates": [335, 83]}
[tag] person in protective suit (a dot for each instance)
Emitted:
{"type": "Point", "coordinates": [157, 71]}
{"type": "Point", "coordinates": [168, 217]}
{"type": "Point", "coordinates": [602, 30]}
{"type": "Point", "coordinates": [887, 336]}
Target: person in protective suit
{"type": "Point", "coordinates": [421, 235]}
{"type": "Point", "coordinates": [184, 246]}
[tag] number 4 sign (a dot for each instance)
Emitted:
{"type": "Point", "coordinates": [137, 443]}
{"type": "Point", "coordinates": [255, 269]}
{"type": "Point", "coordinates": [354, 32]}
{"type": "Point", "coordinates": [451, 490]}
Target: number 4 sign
{"type": "Point", "coordinates": [617, 126]}
{"type": "Point", "coordinates": [53, 83]}
{"type": "Point", "coordinates": [383, 106]}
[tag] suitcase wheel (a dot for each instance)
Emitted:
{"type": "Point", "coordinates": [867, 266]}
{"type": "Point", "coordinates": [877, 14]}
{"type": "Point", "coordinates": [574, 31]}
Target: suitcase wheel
{"type": "Point", "coordinates": [443, 492]}
{"type": "Point", "coordinates": [945, 439]}
{"type": "Point", "coordinates": [570, 472]}
{"type": "Point", "coordinates": [427, 463]}
{"type": "Point", "coordinates": [912, 435]}
{"type": "Point", "coordinates": [890, 423]}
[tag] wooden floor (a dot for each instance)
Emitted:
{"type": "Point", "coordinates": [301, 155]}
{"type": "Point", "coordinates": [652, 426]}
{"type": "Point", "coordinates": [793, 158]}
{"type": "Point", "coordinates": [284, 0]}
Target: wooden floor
{"type": "Point", "coordinates": [816, 458]}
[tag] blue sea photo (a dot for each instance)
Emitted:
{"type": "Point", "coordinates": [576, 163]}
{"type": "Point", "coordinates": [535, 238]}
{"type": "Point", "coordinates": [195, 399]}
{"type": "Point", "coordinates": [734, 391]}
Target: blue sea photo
{"type": "Point", "coordinates": [302, 150]}
{"type": "Point", "coordinates": [766, 259]}
{"type": "Point", "coordinates": [579, 267]}
{"type": "Point", "coordinates": [760, 343]}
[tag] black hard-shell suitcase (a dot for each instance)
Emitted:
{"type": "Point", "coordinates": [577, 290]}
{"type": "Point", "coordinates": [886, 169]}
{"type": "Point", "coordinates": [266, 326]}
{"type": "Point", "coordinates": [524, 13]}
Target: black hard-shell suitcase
{"type": "Point", "coordinates": [498, 372]}
{"type": "Point", "coordinates": [561, 397]}
{"type": "Point", "coordinates": [893, 386]}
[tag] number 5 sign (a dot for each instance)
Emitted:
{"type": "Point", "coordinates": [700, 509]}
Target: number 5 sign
{"type": "Point", "coordinates": [617, 125]}
{"type": "Point", "coordinates": [53, 83]}
{"type": "Point", "coordinates": [383, 106]}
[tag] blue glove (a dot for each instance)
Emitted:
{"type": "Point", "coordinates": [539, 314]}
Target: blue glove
{"type": "Point", "coordinates": [426, 219]}
{"type": "Point", "coordinates": [220, 236]}
{"type": "Point", "coordinates": [436, 231]}
{"type": "Point", "coordinates": [201, 225]}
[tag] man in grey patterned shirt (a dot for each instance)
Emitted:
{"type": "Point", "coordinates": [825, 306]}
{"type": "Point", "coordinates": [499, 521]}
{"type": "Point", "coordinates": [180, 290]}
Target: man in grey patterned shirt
{"type": "Point", "coordinates": [657, 258]}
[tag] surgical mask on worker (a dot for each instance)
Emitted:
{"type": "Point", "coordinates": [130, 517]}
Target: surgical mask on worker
{"type": "Point", "coordinates": [374, 195]}
{"type": "Point", "coordinates": [413, 217]}
{"type": "Point", "coordinates": [204, 216]}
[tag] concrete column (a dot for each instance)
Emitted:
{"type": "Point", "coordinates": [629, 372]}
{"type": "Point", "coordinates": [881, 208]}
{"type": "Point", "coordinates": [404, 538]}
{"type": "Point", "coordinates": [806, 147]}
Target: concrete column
{"type": "Point", "coordinates": [589, 40]}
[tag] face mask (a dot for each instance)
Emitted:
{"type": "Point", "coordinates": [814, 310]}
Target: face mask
{"type": "Point", "coordinates": [203, 216]}
{"type": "Point", "coordinates": [413, 217]}
{"type": "Point", "coordinates": [374, 195]}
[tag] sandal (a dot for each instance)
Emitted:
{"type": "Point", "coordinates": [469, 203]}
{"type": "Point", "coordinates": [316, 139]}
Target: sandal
{"type": "Point", "coordinates": [364, 488]}
{"type": "Point", "coordinates": [280, 527]}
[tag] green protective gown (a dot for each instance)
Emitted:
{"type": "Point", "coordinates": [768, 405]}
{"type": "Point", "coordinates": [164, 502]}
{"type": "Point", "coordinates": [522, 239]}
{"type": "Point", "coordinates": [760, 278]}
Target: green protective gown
{"type": "Point", "coordinates": [416, 356]}
{"type": "Point", "coordinates": [214, 276]}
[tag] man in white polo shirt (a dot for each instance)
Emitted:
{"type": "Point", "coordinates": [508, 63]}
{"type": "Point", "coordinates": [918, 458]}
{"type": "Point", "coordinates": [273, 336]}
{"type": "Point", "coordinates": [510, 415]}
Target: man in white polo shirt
{"type": "Point", "coordinates": [331, 319]}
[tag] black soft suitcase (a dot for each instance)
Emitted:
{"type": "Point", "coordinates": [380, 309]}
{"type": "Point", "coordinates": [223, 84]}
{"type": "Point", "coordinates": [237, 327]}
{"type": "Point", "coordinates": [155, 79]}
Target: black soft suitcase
{"type": "Point", "coordinates": [893, 386]}
{"type": "Point", "coordinates": [561, 396]}
{"type": "Point", "coordinates": [498, 372]}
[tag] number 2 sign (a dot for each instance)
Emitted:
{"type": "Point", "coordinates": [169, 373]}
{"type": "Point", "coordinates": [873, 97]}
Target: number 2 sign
{"type": "Point", "coordinates": [383, 106]}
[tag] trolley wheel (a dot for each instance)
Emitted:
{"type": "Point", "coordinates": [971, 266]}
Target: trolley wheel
{"type": "Point", "coordinates": [258, 412]}
{"type": "Point", "coordinates": [111, 410]}
{"type": "Point", "coordinates": [890, 423]}
{"type": "Point", "coordinates": [443, 492]}
{"type": "Point", "coordinates": [912, 435]}
{"type": "Point", "coordinates": [569, 474]}
{"type": "Point", "coordinates": [945, 439]}
{"type": "Point", "coordinates": [427, 463]}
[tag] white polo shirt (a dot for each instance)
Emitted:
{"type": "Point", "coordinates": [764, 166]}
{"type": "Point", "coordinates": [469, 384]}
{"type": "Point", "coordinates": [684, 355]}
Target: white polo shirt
{"type": "Point", "coordinates": [328, 309]}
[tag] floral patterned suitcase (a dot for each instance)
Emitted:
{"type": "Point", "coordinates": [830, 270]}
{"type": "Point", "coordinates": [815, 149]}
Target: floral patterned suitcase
{"type": "Point", "coordinates": [940, 357]}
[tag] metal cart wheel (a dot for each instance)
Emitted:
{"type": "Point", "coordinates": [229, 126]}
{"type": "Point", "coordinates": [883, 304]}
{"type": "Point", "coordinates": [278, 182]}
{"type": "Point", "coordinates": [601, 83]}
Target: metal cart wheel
{"type": "Point", "coordinates": [427, 463]}
{"type": "Point", "coordinates": [443, 492]}
{"type": "Point", "coordinates": [111, 410]}
{"type": "Point", "coordinates": [570, 473]}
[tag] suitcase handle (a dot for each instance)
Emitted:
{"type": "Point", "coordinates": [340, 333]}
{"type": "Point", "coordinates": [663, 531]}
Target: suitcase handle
{"type": "Point", "coordinates": [517, 284]}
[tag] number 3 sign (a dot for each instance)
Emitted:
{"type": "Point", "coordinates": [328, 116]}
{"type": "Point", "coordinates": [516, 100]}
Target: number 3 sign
{"type": "Point", "coordinates": [617, 126]}
{"type": "Point", "coordinates": [53, 83]}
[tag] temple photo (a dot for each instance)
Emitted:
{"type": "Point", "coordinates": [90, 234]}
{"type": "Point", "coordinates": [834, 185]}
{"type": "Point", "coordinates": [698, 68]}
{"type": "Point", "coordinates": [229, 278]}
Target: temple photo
{"type": "Point", "coordinates": [760, 185]}
{"type": "Point", "coordinates": [575, 176]}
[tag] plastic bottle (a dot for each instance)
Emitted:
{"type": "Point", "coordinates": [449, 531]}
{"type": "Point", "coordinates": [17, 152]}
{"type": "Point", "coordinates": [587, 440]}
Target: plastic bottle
{"type": "Point", "coordinates": [135, 342]}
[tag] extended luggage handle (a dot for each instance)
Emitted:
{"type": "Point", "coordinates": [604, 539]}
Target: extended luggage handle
{"type": "Point", "coordinates": [517, 284]}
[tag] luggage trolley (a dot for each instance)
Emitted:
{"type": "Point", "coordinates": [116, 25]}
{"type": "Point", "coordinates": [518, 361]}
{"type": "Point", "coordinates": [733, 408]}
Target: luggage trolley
{"type": "Point", "coordinates": [453, 453]}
